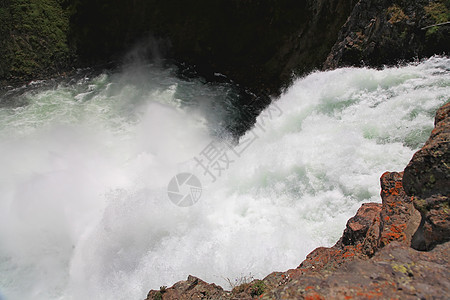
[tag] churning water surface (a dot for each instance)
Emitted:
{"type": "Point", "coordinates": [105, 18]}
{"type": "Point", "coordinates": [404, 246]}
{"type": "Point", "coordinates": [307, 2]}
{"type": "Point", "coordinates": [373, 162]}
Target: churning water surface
{"type": "Point", "coordinates": [85, 165]}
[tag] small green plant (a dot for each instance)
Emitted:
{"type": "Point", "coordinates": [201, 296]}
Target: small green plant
{"type": "Point", "coordinates": [157, 296]}
{"type": "Point", "coordinates": [243, 280]}
{"type": "Point", "coordinates": [439, 13]}
{"type": "Point", "coordinates": [258, 288]}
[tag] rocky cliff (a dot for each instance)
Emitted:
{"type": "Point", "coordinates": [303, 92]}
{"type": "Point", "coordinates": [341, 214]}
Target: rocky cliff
{"type": "Point", "coordinates": [260, 45]}
{"type": "Point", "coordinates": [377, 256]}
{"type": "Point", "coordinates": [385, 32]}
{"type": "Point", "coordinates": [257, 44]}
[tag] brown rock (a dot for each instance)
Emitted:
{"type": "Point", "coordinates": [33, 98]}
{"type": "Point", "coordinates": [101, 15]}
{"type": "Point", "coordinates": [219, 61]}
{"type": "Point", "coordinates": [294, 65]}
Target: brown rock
{"type": "Point", "coordinates": [383, 32]}
{"type": "Point", "coordinates": [397, 271]}
{"type": "Point", "coordinates": [192, 288]}
{"type": "Point", "coordinates": [427, 180]}
{"type": "Point", "coordinates": [435, 226]}
{"type": "Point", "coordinates": [428, 172]}
{"type": "Point", "coordinates": [373, 227]}
{"type": "Point", "coordinates": [399, 218]}
{"type": "Point", "coordinates": [359, 225]}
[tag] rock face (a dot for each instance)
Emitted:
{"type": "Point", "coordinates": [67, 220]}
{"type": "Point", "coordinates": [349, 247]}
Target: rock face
{"type": "Point", "coordinates": [384, 32]}
{"type": "Point", "coordinates": [192, 288]}
{"type": "Point", "coordinates": [427, 179]}
{"type": "Point", "coordinates": [397, 271]}
{"type": "Point", "coordinates": [375, 257]}
{"type": "Point", "coordinates": [257, 44]}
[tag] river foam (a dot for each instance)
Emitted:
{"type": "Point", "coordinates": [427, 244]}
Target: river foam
{"type": "Point", "coordinates": [84, 211]}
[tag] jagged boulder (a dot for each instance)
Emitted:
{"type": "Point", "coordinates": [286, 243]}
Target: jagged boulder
{"type": "Point", "coordinates": [427, 180]}
{"type": "Point", "coordinates": [192, 288]}
{"type": "Point", "coordinates": [428, 172]}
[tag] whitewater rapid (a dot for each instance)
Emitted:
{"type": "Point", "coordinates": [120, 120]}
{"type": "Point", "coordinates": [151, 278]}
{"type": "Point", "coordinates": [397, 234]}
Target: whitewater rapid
{"type": "Point", "coordinates": [84, 209]}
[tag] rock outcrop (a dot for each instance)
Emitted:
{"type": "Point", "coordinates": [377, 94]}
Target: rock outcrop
{"type": "Point", "coordinates": [383, 32]}
{"type": "Point", "coordinates": [427, 180]}
{"type": "Point", "coordinates": [192, 288]}
{"type": "Point", "coordinates": [260, 45]}
{"type": "Point", "coordinates": [395, 272]}
{"type": "Point", "coordinates": [377, 256]}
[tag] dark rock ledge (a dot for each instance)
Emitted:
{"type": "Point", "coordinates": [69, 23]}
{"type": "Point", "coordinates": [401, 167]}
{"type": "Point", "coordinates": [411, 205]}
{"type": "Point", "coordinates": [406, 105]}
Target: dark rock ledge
{"type": "Point", "coordinates": [378, 254]}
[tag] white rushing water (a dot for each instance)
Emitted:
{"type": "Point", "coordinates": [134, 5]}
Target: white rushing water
{"type": "Point", "coordinates": [84, 211]}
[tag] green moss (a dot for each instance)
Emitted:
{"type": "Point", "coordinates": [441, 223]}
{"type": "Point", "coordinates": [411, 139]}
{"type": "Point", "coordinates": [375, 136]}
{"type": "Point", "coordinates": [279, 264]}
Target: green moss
{"type": "Point", "coordinates": [446, 207]}
{"type": "Point", "coordinates": [403, 268]}
{"type": "Point", "coordinates": [258, 288]}
{"type": "Point", "coordinates": [432, 179]}
{"type": "Point", "coordinates": [403, 34]}
{"type": "Point", "coordinates": [430, 183]}
{"type": "Point", "coordinates": [439, 13]}
{"type": "Point", "coordinates": [420, 205]}
{"type": "Point", "coordinates": [157, 296]}
{"type": "Point", "coordinates": [34, 38]}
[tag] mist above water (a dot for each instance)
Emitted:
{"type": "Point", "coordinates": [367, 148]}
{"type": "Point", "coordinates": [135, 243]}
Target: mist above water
{"type": "Point", "coordinates": [84, 211]}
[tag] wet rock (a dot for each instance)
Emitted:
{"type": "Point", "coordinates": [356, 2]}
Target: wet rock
{"type": "Point", "coordinates": [427, 180]}
{"type": "Point", "coordinates": [428, 172]}
{"type": "Point", "coordinates": [385, 32]}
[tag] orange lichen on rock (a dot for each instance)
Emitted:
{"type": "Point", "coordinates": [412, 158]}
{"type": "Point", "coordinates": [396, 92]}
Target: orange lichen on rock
{"type": "Point", "coordinates": [314, 296]}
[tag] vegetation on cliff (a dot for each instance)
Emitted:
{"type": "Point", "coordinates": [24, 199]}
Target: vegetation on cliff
{"type": "Point", "coordinates": [33, 38]}
{"type": "Point", "coordinates": [380, 33]}
{"type": "Point", "coordinates": [258, 44]}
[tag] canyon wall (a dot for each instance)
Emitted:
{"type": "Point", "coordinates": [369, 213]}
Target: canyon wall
{"type": "Point", "coordinates": [260, 45]}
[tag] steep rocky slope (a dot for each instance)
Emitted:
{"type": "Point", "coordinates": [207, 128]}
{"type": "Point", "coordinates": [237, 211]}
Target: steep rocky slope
{"type": "Point", "coordinates": [258, 44]}
{"type": "Point", "coordinates": [384, 32]}
{"type": "Point", "coordinates": [374, 259]}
